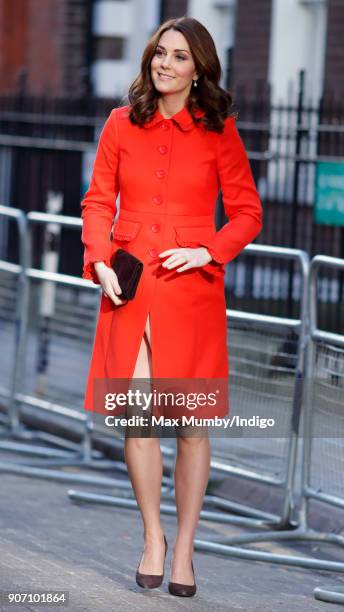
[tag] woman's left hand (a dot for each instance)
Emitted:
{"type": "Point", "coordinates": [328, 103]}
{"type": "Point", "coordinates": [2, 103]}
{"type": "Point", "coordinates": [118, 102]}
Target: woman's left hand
{"type": "Point", "coordinates": [192, 258]}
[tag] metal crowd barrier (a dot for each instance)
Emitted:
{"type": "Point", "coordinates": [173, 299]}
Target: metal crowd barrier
{"type": "Point", "coordinates": [255, 342]}
{"type": "Point", "coordinates": [324, 383]}
{"type": "Point", "coordinates": [46, 390]}
{"type": "Point", "coordinates": [323, 446]}
{"type": "Point", "coordinates": [230, 454]}
{"type": "Point", "coordinates": [13, 304]}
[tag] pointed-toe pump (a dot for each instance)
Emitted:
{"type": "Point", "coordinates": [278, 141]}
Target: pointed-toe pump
{"type": "Point", "coordinates": [150, 581]}
{"type": "Point", "coordinates": [183, 590]}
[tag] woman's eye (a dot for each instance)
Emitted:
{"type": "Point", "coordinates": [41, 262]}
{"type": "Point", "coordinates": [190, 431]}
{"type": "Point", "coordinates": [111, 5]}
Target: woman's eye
{"type": "Point", "coordinates": [159, 53]}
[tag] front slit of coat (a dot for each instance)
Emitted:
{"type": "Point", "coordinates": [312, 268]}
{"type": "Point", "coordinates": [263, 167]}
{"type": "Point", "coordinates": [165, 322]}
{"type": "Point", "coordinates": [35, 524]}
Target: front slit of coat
{"type": "Point", "coordinates": [148, 378]}
{"type": "Point", "coordinates": [150, 365]}
{"type": "Point", "coordinates": [146, 430]}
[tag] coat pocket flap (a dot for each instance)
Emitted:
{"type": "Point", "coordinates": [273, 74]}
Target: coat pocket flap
{"type": "Point", "coordinates": [125, 229]}
{"type": "Point", "coordinates": [189, 236]}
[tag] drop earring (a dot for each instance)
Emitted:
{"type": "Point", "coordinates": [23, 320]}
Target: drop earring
{"type": "Point", "coordinates": [194, 83]}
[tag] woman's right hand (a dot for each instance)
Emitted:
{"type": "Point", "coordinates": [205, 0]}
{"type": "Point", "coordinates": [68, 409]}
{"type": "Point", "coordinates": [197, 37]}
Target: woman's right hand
{"type": "Point", "coordinates": [109, 282]}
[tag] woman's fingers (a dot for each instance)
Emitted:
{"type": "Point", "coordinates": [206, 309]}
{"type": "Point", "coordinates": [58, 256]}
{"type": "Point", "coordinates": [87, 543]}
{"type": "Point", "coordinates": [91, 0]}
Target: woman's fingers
{"type": "Point", "coordinates": [110, 285]}
{"type": "Point", "coordinates": [115, 283]}
{"type": "Point", "coordinates": [175, 260]}
{"type": "Point", "coordinates": [191, 257]}
{"type": "Point", "coordinates": [112, 295]}
{"type": "Point", "coordinates": [187, 266]}
{"type": "Point", "coordinates": [112, 290]}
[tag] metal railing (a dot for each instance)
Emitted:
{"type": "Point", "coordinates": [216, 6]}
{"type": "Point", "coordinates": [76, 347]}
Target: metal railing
{"type": "Point", "coordinates": [13, 294]}
{"type": "Point", "coordinates": [46, 391]}
{"type": "Point", "coordinates": [323, 418]}
{"type": "Point", "coordinates": [266, 356]}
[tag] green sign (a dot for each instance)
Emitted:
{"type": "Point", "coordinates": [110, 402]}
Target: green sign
{"type": "Point", "coordinates": [329, 193]}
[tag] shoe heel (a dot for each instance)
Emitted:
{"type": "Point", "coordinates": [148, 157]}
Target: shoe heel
{"type": "Point", "coordinates": [183, 590]}
{"type": "Point", "coordinates": [151, 581]}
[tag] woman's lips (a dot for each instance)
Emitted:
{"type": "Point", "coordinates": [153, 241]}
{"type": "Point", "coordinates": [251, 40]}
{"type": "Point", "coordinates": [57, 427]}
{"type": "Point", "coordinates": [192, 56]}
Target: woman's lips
{"type": "Point", "coordinates": [164, 77]}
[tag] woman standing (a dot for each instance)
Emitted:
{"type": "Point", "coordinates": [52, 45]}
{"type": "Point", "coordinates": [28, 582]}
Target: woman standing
{"type": "Point", "coordinates": [168, 152]}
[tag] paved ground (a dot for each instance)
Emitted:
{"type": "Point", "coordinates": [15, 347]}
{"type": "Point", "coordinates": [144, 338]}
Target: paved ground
{"type": "Point", "coordinates": [49, 542]}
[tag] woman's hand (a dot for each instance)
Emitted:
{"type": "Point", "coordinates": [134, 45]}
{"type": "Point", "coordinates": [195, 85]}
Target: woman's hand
{"type": "Point", "coordinates": [109, 282]}
{"type": "Point", "coordinates": [192, 258]}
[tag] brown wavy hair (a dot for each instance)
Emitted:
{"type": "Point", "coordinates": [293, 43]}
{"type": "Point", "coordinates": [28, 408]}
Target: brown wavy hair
{"type": "Point", "coordinates": [208, 95]}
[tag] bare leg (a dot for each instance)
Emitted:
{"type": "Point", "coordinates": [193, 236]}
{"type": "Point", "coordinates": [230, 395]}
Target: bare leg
{"type": "Point", "coordinates": [144, 463]}
{"type": "Point", "coordinates": [191, 477]}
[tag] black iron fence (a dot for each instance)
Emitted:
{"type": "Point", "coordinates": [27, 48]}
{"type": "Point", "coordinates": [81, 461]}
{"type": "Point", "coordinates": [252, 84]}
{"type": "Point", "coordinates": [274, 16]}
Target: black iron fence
{"type": "Point", "coordinates": [46, 146]}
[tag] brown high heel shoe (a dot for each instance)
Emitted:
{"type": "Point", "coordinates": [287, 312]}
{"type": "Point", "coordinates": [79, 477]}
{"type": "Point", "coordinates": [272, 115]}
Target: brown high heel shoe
{"type": "Point", "coordinates": [183, 590]}
{"type": "Point", "coordinates": [150, 581]}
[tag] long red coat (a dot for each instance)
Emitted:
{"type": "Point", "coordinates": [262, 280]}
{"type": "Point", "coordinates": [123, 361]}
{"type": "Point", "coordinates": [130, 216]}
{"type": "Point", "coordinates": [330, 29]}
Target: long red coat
{"type": "Point", "coordinates": [168, 173]}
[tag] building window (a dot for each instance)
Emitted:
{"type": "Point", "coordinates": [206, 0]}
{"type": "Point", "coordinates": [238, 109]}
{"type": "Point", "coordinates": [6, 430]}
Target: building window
{"type": "Point", "coordinates": [108, 47]}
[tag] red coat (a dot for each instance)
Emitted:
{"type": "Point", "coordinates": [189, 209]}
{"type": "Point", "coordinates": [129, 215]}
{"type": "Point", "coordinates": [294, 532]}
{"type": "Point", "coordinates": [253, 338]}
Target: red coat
{"type": "Point", "coordinates": [168, 173]}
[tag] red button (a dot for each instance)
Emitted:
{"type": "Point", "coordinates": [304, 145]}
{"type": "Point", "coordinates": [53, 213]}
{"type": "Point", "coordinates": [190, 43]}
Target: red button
{"type": "Point", "coordinates": [162, 149]}
{"type": "Point", "coordinates": [153, 252]}
{"type": "Point", "coordinates": [160, 174]}
{"type": "Point", "coordinates": [165, 125]}
{"type": "Point", "coordinates": [157, 199]}
{"type": "Point", "coordinates": [155, 227]}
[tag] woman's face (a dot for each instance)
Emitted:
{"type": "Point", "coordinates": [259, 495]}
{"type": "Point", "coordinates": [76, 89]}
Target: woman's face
{"type": "Point", "coordinates": [172, 66]}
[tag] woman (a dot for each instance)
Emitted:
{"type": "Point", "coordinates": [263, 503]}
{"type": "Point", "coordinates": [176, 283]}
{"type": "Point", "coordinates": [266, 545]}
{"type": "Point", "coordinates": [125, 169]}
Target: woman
{"type": "Point", "coordinates": [168, 153]}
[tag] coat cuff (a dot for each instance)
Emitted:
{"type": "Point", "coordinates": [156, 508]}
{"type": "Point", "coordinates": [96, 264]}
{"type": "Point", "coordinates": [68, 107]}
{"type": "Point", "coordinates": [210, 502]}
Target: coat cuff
{"type": "Point", "coordinates": [215, 265]}
{"type": "Point", "coordinates": [89, 272]}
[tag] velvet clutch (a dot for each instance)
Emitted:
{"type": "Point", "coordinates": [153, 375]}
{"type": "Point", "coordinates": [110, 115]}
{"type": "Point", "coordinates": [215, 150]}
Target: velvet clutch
{"type": "Point", "coordinates": [128, 269]}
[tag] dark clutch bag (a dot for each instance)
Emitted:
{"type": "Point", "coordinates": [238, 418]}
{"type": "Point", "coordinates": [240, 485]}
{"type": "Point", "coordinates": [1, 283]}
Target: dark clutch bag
{"type": "Point", "coordinates": [128, 269]}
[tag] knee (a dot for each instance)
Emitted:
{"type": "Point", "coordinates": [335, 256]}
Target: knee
{"type": "Point", "coordinates": [191, 432]}
{"type": "Point", "coordinates": [192, 437]}
{"type": "Point", "coordinates": [141, 445]}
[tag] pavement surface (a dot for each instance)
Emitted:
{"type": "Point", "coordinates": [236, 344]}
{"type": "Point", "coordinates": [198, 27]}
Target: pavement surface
{"type": "Point", "coordinates": [50, 542]}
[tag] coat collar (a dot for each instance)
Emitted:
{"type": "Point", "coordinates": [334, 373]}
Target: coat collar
{"type": "Point", "coordinates": [182, 118]}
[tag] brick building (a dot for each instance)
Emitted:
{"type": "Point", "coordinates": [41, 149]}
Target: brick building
{"type": "Point", "coordinates": [72, 47]}
{"type": "Point", "coordinates": [44, 46]}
